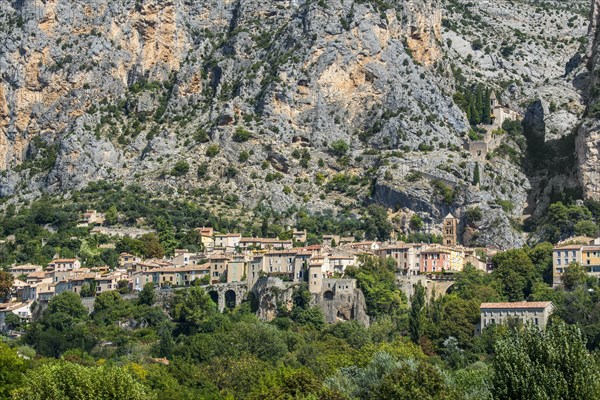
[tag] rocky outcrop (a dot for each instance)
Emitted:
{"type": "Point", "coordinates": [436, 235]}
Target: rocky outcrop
{"type": "Point", "coordinates": [344, 301]}
{"type": "Point", "coordinates": [588, 138]}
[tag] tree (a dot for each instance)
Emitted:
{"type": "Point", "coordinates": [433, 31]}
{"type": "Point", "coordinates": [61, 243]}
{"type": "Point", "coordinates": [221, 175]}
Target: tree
{"type": "Point", "coordinates": [415, 322]}
{"type": "Point", "coordinates": [551, 364]}
{"type": "Point", "coordinates": [111, 215]}
{"type": "Point", "coordinates": [202, 170]}
{"type": "Point", "coordinates": [586, 228]}
{"type": "Point", "coordinates": [541, 256]}
{"type": "Point", "coordinates": [574, 276]}
{"type": "Point", "coordinates": [12, 368]}
{"type": "Point", "coordinates": [376, 224]}
{"type": "Point", "coordinates": [109, 307]}
{"type": "Point", "coordinates": [6, 281]}
{"type": "Point", "coordinates": [88, 289]}
{"type": "Point", "coordinates": [191, 307]}
{"type": "Point", "coordinates": [476, 177]}
{"type": "Point", "coordinates": [65, 380]}
{"type": "Point", "coordinates": [416, 223]}
{"type": "Point", "coordinates": [516, 271]}
{"type": "Point", "coordinates": [61, 327]}
{"type": "Point", "coordinates": [375, 277]}
{"type": "Point", "coordinates": [151, 246]}
{"type": "Point", "coordinates": [147, 295]}
{"type": "Point", "coordinates": [166, 235]}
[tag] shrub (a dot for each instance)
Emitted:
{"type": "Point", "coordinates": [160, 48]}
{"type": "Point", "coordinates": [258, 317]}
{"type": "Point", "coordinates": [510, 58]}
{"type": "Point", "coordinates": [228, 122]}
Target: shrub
{"type": "Point", "coordinates": [244, 156]}
{"type": "Point", "coordinates": [201, 136]}
{"type": "Point", "coordinates": [241, 135]}
{"type": "Point", "coordinates": [339, 148]}
{"type": "Point", "coordinates": [213, 150]}
{"type": "Point", "coordinates": [473, 215]}
{"type": "Point", "coordinates": [202, 170]}
{"type": "Point", "coordinates": [181, 168]}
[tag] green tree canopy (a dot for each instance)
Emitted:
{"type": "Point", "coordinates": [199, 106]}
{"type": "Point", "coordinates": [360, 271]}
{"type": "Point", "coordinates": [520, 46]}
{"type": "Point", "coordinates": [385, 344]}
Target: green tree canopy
{"type": "Point", "coordinates": [551, 364]}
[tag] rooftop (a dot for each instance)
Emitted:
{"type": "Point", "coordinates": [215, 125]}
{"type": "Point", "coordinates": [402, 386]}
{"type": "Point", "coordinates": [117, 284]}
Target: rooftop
{"type": "Point", "coordinates": [518, 304]}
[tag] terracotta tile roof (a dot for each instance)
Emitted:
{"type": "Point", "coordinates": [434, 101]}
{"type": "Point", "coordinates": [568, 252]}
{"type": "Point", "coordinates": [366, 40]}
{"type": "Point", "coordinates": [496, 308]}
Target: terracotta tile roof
{"type": "Point", "coordinates": [12, 306]}
{"type": "Point", "coordinates": [518, 304]}
{"type": "Point", "coordinates": [281, 252]}
{"type": "Point", "coordinates": [396, 247]}
{"type": "Point", "coordinates": [38, 274]}
{"type": "Point", "coordinates": [569, 247]}
{"type": "Point", "coordinates": [64, 261]}
{"type": "Point", "coordinates": [25, 266]}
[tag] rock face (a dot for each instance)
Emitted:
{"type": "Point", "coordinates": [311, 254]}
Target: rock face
{"type": "Point", "coordinates": [588, 138]}
{"type": "Point", "coordinates": [97, 89]}
{"type": "Point", "coordinates": [274, 296]}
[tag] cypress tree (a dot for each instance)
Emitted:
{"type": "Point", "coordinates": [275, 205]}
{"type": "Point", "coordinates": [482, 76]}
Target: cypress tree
{"type": "Point", "coordinates": [479, 103]}
{"type": "Point", "coordinates": [487, 109]}
{"type": "Point", "coordinates": [415, 321]}
{"type": "Point", "coordinates": [476, 174]}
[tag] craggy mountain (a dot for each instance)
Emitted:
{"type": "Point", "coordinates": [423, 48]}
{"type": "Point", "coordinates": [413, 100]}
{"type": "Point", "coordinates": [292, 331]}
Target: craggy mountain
{"type": "Point", "coordinates": [320, 105]}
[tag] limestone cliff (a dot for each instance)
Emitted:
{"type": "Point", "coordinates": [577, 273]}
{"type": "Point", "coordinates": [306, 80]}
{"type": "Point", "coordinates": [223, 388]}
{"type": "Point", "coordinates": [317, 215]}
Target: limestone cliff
{"type": "Point", "coordinates": [588, 138]}
{"type": "Point", "coordinates": [251, 94]}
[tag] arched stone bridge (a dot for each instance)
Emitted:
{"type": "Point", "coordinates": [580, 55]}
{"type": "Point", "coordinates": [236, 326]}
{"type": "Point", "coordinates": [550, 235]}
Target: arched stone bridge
{"type": "Point", "coordinates": [227, 295]}
{"type": "Point", "coordinates": [434, 286]}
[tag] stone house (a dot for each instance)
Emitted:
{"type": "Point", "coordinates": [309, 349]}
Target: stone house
{"type": "Point", "coordinates": [193, 272]}
{"type": "Point", "coordinates": [536, 313]}
{"type": "Point", "coordinates": [24, 269]}
{"type": "Point", "coordinates": [108, 282]}
{"type": "Point", "coordinates": [206, 237]}
{"type": "Point", "coordinates": [405, 255]}
{"type": "Point", "coordinates": [20, 309]}
{"type": "Point", "coordinates": [182, 257]}
{"type": "Point", "coordinates": [127, 260]}
{"type": "Point", "coordinates": [218, 267]}
{"type": "Point", "coordinates": [299, 236]}
{"type": "Point", "coordinates": [501, 113]}
{"type": "Point", "coordinates": [289, 264]}
{"type": "Point", "coordinates": [316, 275]}
{"type": "Point", "coordinates": [367, 246]}
{"type": "Point", "coordinates": [338, 263]}
{"type": "Point", "coordinates": [330, 240]}
{"type": "Point", "coordinates": [588, 255]}
{"type": "Point", "coordinates": [227, 242]}
{"type": "Point", "coordinates": [92, 217]}
{"type": "Point", "coordinates": [64, 264]}
{"type": "Point", "coordinates": [434, 259]}
{"type": "Point", "coordinates": [236, 269]}
{"type": "Point", "coordinates": [74, 283]}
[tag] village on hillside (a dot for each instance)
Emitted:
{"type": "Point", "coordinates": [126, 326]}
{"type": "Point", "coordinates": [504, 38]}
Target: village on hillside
{"type": "Point", "coordinates": [230, 259]}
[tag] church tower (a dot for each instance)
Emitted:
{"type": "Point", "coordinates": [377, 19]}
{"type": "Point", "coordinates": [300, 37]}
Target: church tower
{"type": "Point", "coordinates": [449, 230]}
